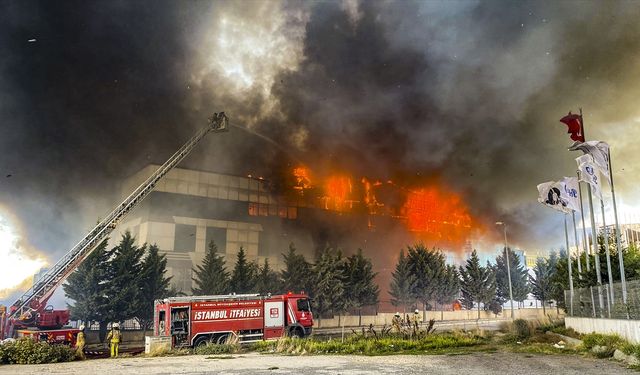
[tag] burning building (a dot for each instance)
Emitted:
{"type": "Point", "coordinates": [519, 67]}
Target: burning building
{"type": "Point", "coordinates": [188, 209]}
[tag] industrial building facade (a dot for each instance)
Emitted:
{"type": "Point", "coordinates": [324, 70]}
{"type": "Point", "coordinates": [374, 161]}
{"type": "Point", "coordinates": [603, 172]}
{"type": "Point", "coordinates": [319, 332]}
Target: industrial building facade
{"type": "Point", "coordinates": [188, 209]}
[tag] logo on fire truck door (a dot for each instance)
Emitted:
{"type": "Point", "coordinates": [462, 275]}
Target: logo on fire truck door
{"type": "Point", "coordinates": [273, 312]}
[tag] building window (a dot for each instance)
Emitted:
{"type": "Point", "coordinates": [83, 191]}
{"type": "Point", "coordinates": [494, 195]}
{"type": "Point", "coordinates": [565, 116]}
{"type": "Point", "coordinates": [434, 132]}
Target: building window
{"type": "Point", "coordinates": [185, 238]}
{"type": "Point", "coordinates": [219, 237]}
{"type": "Point", "coordinates": [263, 209]}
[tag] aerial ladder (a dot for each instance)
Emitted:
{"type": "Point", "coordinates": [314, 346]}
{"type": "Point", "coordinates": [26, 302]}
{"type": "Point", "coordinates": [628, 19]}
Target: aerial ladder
{"type": "Point", "coordinates": [31, 309]}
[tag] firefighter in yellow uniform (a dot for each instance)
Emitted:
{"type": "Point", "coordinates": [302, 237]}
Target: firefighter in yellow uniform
{"type": "Point", "coordinates": [397, 322]}
{"type": "Point", "coordinates": [80, 341]}
{"type": "Point", "coordinates": [114, 335]}
{"type": "Point", "coordinates": [415, 319]}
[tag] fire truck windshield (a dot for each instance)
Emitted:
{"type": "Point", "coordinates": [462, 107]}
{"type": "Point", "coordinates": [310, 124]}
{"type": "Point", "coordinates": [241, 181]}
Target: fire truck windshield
{"type": "Point", "coordinates": [303, 305]}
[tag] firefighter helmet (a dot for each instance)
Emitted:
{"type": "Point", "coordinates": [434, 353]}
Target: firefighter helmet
{"type": "Point", "coordinates": [81, 327]}
{"type": "Point", "coordinates": [417, 311]}
{"type": "Point", "coordinates": [115, 325]}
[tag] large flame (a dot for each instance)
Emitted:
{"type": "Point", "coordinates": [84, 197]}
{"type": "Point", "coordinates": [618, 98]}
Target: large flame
{"type": "Point", "coordinates": [438, 215]}
{"type": "Point", "coordinates": [433, 213]}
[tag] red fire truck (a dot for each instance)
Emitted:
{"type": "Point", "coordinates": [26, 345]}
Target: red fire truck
{"type": "Point", "coordinates": [197, 320]}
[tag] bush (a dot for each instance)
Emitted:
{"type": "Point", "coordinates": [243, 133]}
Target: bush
{"type": "Point", "coordinates": [370, 345]}
{"type": "Point", "coordinates": [210, 349]}
{"type": "Point", "coordinates": [27, 351]}
{"type": "Point", "coordinates": [610, 341]}
{"type": "Point", "coordinates": [521, 329]}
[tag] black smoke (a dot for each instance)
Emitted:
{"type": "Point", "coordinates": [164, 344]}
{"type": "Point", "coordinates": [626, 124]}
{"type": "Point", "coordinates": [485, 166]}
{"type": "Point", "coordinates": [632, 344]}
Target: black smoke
{"type": "Point", "coordinates": [468, 92]}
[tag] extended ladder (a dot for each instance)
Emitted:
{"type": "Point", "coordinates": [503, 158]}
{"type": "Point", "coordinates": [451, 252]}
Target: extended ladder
{"type": "Point", "coordinates": [40, 292]}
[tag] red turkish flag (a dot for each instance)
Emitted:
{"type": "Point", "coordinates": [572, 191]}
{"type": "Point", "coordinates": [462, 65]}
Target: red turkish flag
{"type": "Point", "coordinates": [574, 123]}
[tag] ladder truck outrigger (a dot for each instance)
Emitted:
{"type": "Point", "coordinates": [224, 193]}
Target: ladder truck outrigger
{"type": "Point", "coordinates": [30, 315]}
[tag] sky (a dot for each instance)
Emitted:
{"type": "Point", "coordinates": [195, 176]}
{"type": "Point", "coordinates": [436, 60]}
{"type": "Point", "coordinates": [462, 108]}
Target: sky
{"type": "Point", "coordinates": [467, 92]}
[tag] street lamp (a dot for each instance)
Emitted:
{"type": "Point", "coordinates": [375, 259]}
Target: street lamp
{"type": "Point", "coordinates": [506, 253]}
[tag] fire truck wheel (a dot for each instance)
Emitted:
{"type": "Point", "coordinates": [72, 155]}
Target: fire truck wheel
{"type": "Point", "coordinates": [297, 332]}
{"type": "Point", "coordinates": [201, 341]}
{"type": "Point", "coordinates": [223, 339]}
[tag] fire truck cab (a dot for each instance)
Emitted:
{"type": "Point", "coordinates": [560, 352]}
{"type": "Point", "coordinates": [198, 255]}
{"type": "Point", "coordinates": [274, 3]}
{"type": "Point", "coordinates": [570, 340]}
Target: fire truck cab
{"type": "Point", "coordinates": [198, 320]}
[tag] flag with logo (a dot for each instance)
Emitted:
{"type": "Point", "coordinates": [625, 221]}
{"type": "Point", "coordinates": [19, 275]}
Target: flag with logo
{"type": "Point", "coordinates": [549, 194]}
{"type": "Point", "coordinates": [590, 173]}
{"type": "Point", "coordinates": [599, 151]}
{"type": "Point", "coordinates": [569, 193]}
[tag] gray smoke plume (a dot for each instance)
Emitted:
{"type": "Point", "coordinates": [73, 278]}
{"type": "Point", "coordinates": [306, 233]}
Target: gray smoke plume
{"type": "Point", "coordinates": [468, 92]}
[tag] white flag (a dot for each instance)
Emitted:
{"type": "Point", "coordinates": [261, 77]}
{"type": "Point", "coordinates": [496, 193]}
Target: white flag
{"type": "Point", "coordinates": [549, 194]}
{"type": "Point", "coordinates": [599, 151]}
{"type": "Point", "coordinates": [569, 193]}
{"type": "Point", "coordinates": [590, 173]}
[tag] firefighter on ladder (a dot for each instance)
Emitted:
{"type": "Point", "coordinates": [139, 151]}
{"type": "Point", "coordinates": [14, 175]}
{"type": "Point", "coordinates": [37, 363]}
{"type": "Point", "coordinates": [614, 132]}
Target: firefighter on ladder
{"type": "Point", "coordinates": [114, 336]}
{"type": "Point", "coordinates": [80, 341]}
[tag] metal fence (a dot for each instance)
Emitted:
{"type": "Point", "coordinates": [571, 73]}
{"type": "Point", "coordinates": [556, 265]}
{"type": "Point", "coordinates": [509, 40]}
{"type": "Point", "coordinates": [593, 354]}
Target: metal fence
{"type": "Point", "coordinates": [605, 301]}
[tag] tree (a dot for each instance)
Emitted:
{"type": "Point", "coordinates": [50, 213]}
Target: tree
{"type": "Point", "coordinates": [359, 284]}
{"type": "Point", "coordinates": [427, 267]}
{"type": "Point", "coordinates": [125, 273]}
{"type": "Point", "coordinates": [153, 285]}
{"type": "Point", "coordinates": [519, 277]}
{"type": "Point", "coordinates": [211, 277]}
{"type": "Point", "coordinates": [296, 274]}
{"type": "Point", "coordinates": [478, 284]}
{"type": "Point", "coordinates": [267, 280]}
{"type": "Point", "coordinates": [328, 282]}
{"type": "Point", "coordinates": [448, 288]}
{"type": "Point", "coordinates": [243, 277]}
{"type": "Point", "coordinates": [402, 283]}
{"type": "Point", "coordinates": [87, 286]}
{"type": "Point", "coordinates": [541, 286]}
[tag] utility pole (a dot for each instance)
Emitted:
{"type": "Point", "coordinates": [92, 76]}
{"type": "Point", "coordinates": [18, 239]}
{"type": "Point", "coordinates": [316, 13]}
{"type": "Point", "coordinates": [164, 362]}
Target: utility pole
{"type": "Point", "coordinates": [506, 254]}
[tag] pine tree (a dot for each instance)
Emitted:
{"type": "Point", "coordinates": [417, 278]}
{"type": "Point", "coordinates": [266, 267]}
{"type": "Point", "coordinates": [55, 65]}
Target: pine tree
{"type": "Point", "coordinates": [328, 282]}
{"type": "Point", "coordinates": [125, 272]}
{"type": "Point", "coordinates": [427, 267]}
{"type": "Point", "coordinates": [477, 283]}
{"type": "Point", "coordinates": [153, 285]}
{"type": "Point", "coordinates": [268, 280]}
{"type": "Point", "coordinates": [402, 283]}
{"type": "Point", "coordinates": [296, 275]}
{"type": "Point", "coordinates": [211, 277]}
{"type": "Point", "coordinates": [448, 288]}
{"type": "Point", "coordinates": [359, 284]}
{"type": "Point", "coordinates": [243, 277]}
{"type": "Point", "coordinates": [519, 278]}
{"type": "Point", "coordinates": [87, 287]}
{"type": "Point", "coordinates": [541, 283]}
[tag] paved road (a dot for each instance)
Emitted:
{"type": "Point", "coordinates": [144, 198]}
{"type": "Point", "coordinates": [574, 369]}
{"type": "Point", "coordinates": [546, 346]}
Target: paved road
{"type": "Point", "coordinates": [253, 363]}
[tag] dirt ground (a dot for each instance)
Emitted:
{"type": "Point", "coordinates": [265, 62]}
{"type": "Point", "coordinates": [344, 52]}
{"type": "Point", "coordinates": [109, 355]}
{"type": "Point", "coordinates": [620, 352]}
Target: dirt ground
{"type": "Point", "coordinates": [254, 363]}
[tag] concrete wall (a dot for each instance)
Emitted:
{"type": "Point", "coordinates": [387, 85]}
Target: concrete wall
{"type": "Point", "coordinates": [627, 329]}
{"type": "Point", "coordinates": [386, 318]}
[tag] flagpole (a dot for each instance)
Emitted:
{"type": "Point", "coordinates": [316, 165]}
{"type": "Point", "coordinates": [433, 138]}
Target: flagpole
{"type": "Point", "coordinates": [575, 233]}
{"type": "Point", "coordinates": [617, 234]}
{"type": "Point", "coordinates": [596, 251]}
{"type": "Point", "coordinates": [607, 252]}
{"type": "Point", "coordinates": [585, 244]}
{"type": "Point", "coordinates": [594, 234]}
{"type": "Point", "coordinates": [566, 238]}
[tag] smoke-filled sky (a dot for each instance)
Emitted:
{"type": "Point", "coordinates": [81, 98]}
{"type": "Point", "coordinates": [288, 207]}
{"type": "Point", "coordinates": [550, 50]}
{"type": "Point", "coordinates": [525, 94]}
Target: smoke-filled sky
{"type": "Point", "coordinates": [469, 92]}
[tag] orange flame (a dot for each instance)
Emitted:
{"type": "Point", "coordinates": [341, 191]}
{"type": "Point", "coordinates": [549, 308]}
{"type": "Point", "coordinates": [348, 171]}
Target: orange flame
{"type": "Point", "coordinates": [338, 191]}
{"type": "Point", "coordinates": [438, 215]}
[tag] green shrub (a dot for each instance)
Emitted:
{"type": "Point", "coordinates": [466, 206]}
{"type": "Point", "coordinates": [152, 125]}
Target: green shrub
{"type": "Point", "coordinates": [27, 351]}
{"type": "Point", "coordinates": [210, 349]}
{"type": "Point", "coordinates": [521, 329]}
{"type": "Point", "coordinates": [610, 341]}
{"type": "Point", "coordinates": [370, 345]}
